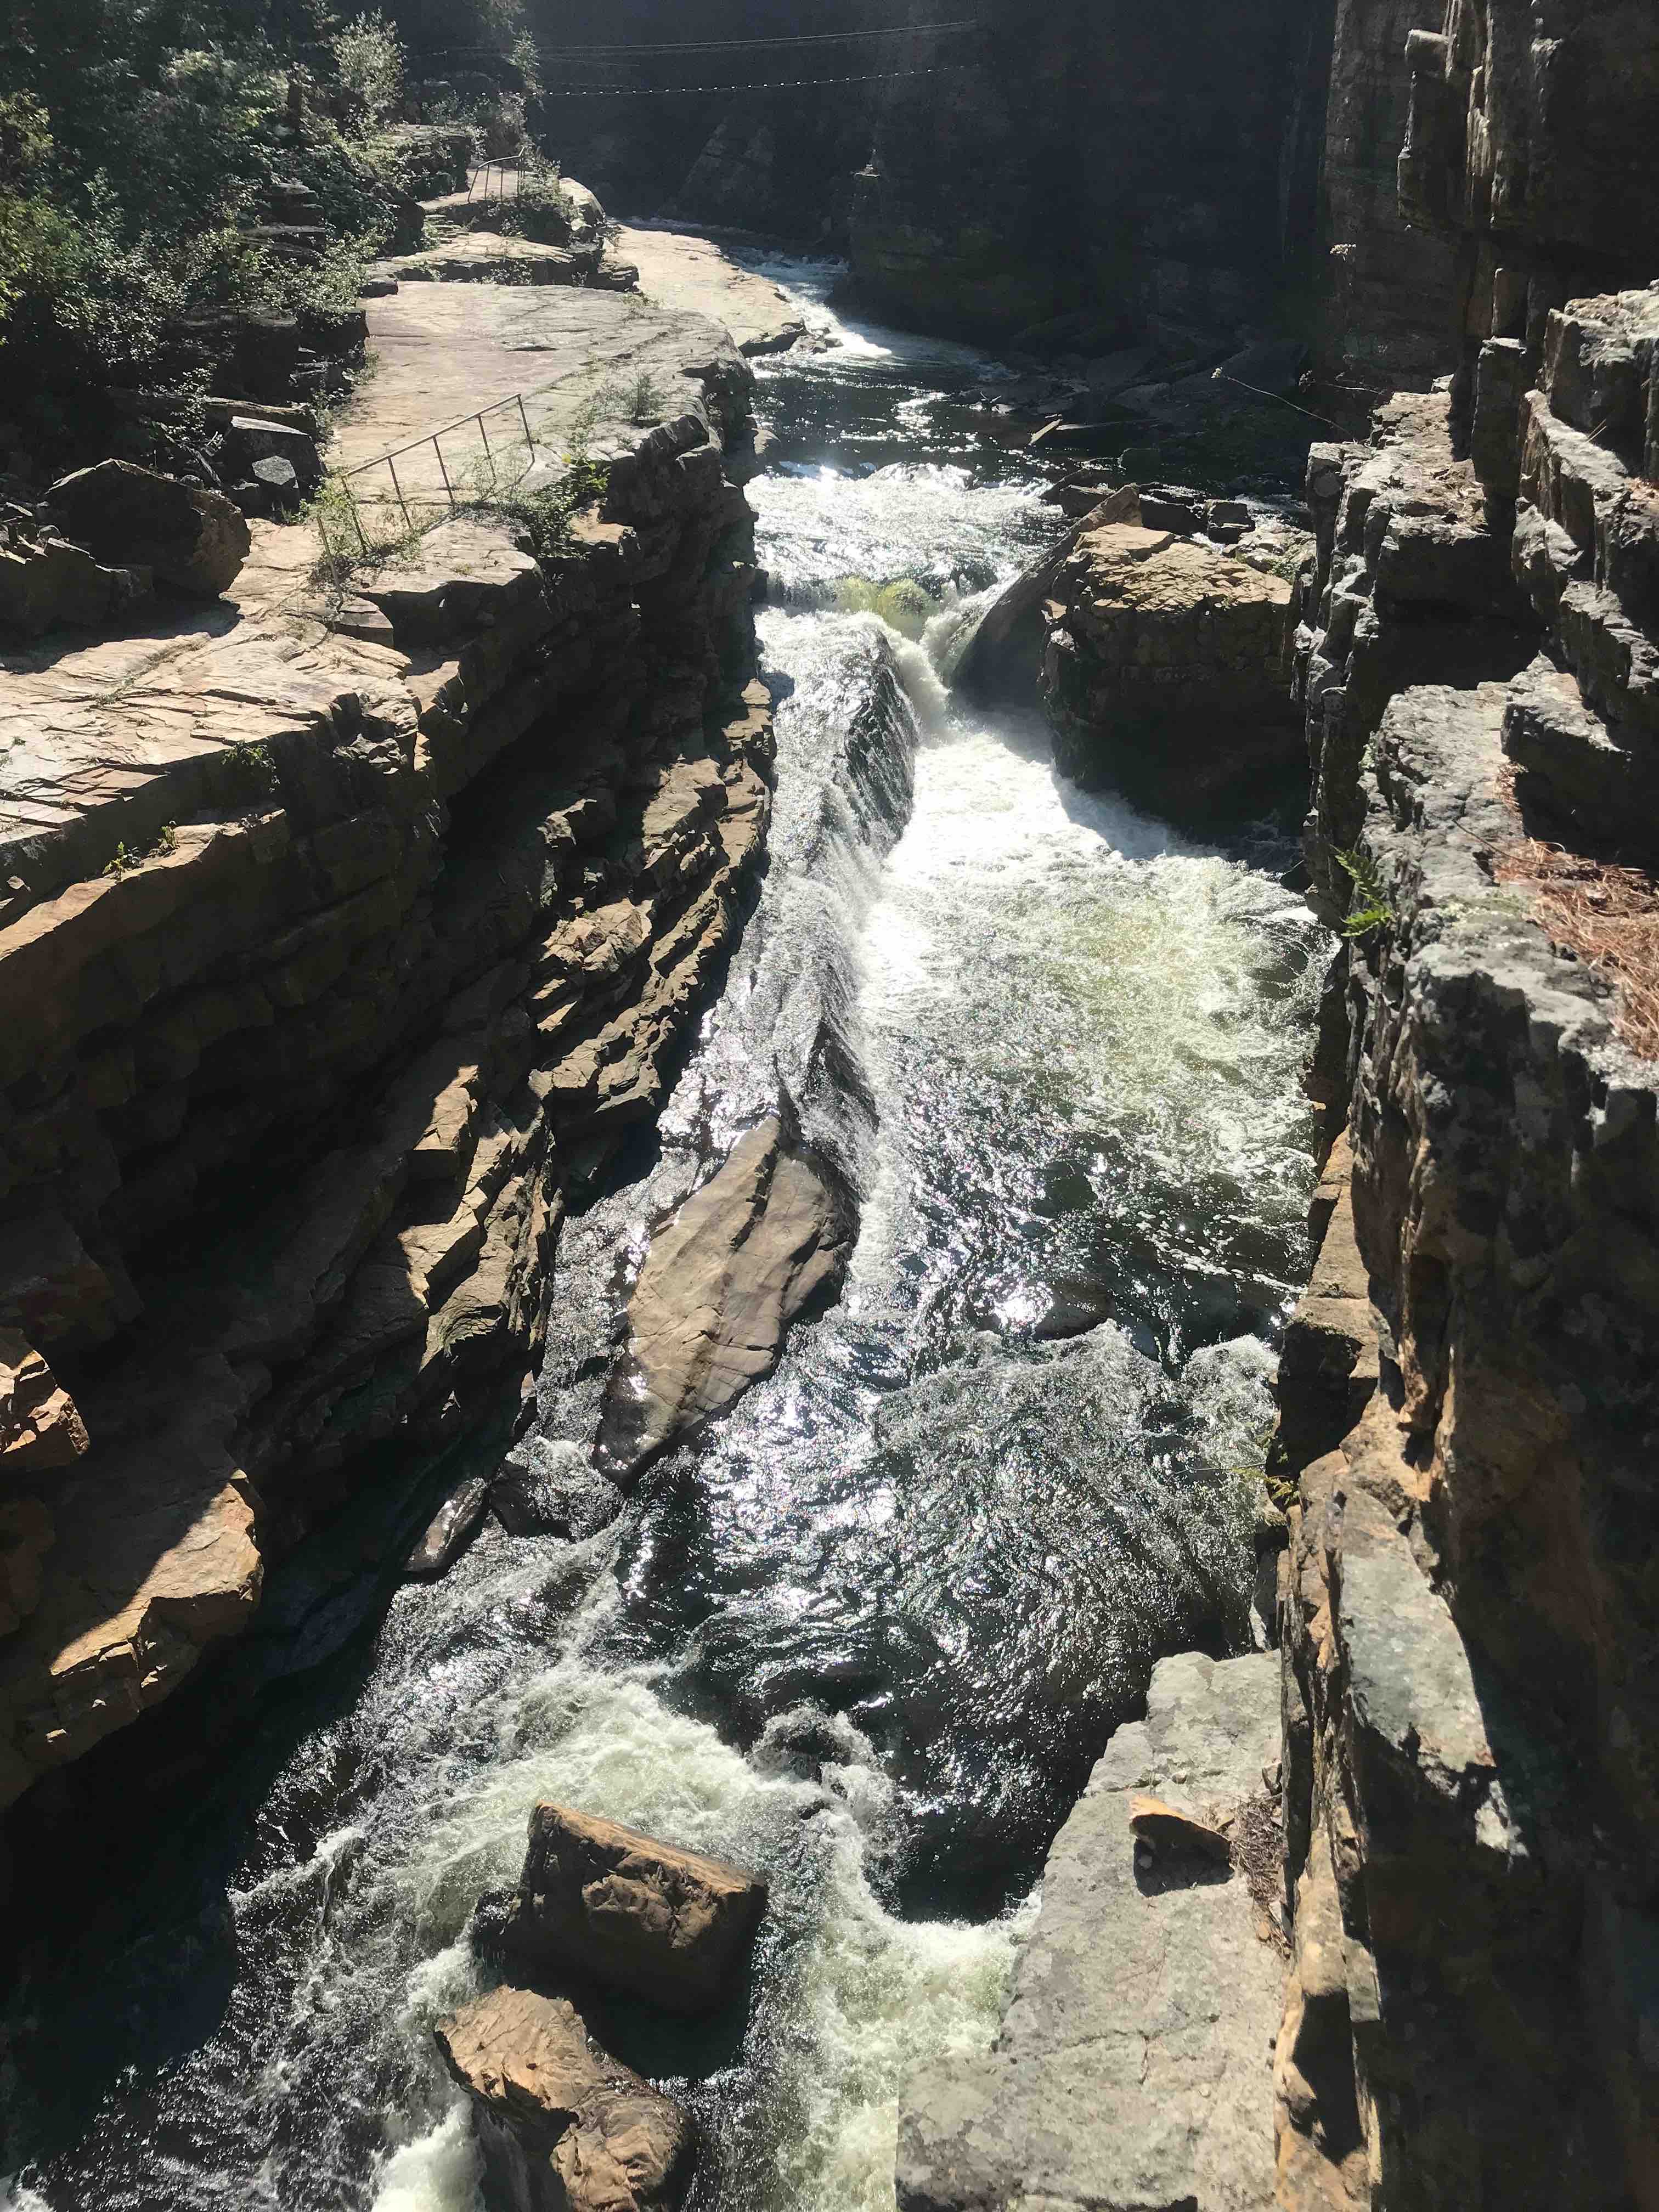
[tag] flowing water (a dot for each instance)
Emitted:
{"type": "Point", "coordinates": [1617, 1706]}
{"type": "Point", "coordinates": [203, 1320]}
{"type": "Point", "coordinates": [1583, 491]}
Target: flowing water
{"type": "Point", "coordinates": [871, 1633]}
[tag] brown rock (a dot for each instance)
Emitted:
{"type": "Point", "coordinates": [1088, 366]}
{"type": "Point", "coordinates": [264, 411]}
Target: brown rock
{"type": "Point", "coordinates": [40, 1425]}
{"type": "Point", "coordinates": [1003, 659]}
{"type": "Point", "coordinates": [26, 1537]}
{"type": "Point", "coordinates": [564, 2126]}
{"type": "Point", "coordinates": [1166, 670]}
{"type": "Point", "coordinates": [719, 1286]}
{"type": "Point", "coordinates": [667, 1924]}
{"type": "Point", "coordinates": [54, 585]}
{"type": "Point", "coordinates": [193, 539]}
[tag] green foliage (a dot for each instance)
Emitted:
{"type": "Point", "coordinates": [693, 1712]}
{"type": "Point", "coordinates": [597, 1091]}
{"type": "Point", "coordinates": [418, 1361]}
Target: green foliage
{"type": "Point", "coordinates": [369, 61]}
{"type": "Point", "coordinates": [1371, 908]}
{"type": "Point", "coordinates": [161, 846]}
{"type": "Point", "coordinates": [644, 401]}
{"type": "Point", "coordinates": [542, 208]}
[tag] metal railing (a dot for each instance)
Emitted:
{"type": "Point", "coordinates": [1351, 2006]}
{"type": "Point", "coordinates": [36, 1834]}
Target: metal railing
{"type": "Point", "coordinates": [410, 497]}
{"type": "Point", "coordinates": [478, 183]}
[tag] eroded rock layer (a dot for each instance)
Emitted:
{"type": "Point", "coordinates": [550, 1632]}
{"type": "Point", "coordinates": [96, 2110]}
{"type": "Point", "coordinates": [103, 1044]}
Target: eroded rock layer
{"type": "Point", "coordinates": [332, 941]}
{"type": "Point", "coordinates": [1468, 1405]}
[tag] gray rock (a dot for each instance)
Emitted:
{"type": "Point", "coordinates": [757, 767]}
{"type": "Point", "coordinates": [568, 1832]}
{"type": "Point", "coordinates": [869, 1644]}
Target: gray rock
{"type": "Point", "coordinates": [754, 1247]}
{"type": "Point", "coordinates": [250, 438]}
{"type": "Point", "coordinates": [454, 1527]}
{"type": "Point", "coordinates": [1132, 2068]}
{"type": "Point", "coordinates": [189, 537]}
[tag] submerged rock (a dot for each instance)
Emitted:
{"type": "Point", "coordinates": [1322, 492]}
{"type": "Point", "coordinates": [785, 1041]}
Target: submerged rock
{"type": "Point", "coordinates": [750, 1251]}
{"type": "Point", "coordinates": [668, 1925]}
{"type": "Point", "coordinates": [564, 2126]}
{"type": "Point", "coordinates": [453, 1526]}
{"type": "Point", "coordinates": [554, 1492]}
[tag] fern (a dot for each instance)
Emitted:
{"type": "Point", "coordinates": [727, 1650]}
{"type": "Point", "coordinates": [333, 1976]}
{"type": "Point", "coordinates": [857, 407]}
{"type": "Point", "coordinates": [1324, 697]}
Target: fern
{"type": "Point", "coordinates": [1371, 908]}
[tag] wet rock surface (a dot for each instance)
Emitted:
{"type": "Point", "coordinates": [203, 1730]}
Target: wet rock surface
{"type": "Point", "coordinates": [637, 1914]}
{"type": "Point", "coordinates": [762, 1242]}
{"type": "Point", "coordinates": [563, 2127]}
{"type": "Point", "coordinates": [1131, 2066]}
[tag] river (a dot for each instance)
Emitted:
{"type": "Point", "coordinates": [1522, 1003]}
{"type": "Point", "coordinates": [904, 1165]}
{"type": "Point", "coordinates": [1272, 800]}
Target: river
{"type": "Point", "coordinates": [872, 1633]}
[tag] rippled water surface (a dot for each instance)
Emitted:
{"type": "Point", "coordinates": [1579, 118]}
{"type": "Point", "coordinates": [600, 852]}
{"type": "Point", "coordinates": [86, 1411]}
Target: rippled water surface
{"type": "Point", "coordinates": [872, 1632]}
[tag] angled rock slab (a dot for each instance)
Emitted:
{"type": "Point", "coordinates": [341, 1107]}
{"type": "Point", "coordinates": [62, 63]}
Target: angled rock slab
{"type": "Point", "coordinates": [1132, 2072]}
{"type": "Point", "coordinates": [562, 2125]}
{"type": "Point", "coordinates": [669, 1924]}
{"type": "Point", "coordinates": [721, 1283]}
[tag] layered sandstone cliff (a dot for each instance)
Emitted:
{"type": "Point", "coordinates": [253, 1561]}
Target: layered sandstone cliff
{"type": "Point", "coordinates": [336, 937]}
{"type": "Point", "coordinates": [1467, 1390]}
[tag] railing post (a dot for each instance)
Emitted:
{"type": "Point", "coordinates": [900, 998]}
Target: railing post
{"type": "Point", "coordinates": [399, 489]}
{"type": "Point", "coordinates": [443, 472]}
{"type": "Point", "coordinates": [530, 443]}
{"type": "Point", "coordinates": [489, 452]}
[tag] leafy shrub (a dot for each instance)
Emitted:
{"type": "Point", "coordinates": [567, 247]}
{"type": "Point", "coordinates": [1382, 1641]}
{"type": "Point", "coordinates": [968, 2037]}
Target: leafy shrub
{"type": "Point", "coordinates": [368, 60]}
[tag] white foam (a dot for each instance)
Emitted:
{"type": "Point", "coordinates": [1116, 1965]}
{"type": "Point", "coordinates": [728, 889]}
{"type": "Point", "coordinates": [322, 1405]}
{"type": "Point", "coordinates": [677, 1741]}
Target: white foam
{"type": "Point", "coordinates": [437, 2172]}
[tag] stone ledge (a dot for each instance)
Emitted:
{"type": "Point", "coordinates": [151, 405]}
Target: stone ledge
{"type": "Point", "coordinates": [1132, 2069]}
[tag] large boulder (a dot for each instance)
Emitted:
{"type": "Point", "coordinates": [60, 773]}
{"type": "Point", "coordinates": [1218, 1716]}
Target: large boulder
{"type": "Point", "coordinates": [1004, 658]}
{"type": "Point", "coordinates": [189, 537]}
{"type": "Point", "coordinates": [645, 1916]}
{"type": "Point", "coordinates": [46, 584]}
{"type": "Point", "coordinates": [751, 1250]}
{"type": "Point", "coordinates": [564, 2126]}
{"type": "Point", "coordinates": [1166, 673]}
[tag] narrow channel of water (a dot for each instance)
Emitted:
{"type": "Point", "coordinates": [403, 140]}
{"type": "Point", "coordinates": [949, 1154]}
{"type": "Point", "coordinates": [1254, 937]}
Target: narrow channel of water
{"type": "Point", "coordinates": [872, 1633]}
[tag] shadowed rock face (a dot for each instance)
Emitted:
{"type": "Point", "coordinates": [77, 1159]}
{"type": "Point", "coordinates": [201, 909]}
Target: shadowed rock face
{"type": "Point", "coordinates": [1468, 1392]}
{"type": "Point", "coordinates": [1098, 156]}
{"type": "Point", "coordinates": [756, 1246]}
{"type": "Point", "coordinates": [562, 2125]}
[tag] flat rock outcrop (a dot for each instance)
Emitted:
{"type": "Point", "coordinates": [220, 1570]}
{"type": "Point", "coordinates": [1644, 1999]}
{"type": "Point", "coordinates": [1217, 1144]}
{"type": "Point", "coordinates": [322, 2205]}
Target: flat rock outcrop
{"type": "Point", "coordinates": [1165, 669]}
{"type": "Point", "coordinates": [764, 1239]}
{"type": "Point", "coordinates": [563, 2127]}
{"type": "Point", "coordinates": [1132, 2068]}
{"type": "Point", "coordinates": [598, 1898]}
{"type": "Point", "coordinates": [338, 926]}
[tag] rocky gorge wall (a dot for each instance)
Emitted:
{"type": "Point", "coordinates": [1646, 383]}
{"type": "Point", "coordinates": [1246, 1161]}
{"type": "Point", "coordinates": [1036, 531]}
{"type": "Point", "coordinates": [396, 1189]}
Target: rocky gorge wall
{"type": "Point", "coordinates": [1103, 162]}
{"type": "Point", "coordinates": [337, 938]}
{"type": "Point", "coordinates": [1467, 1602]}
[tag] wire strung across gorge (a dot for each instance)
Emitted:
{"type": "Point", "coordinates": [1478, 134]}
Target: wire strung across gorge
{"type": "Point", "coordinates": [630, 52]}
{"type": "Point", "coordinates": [767, 84]}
